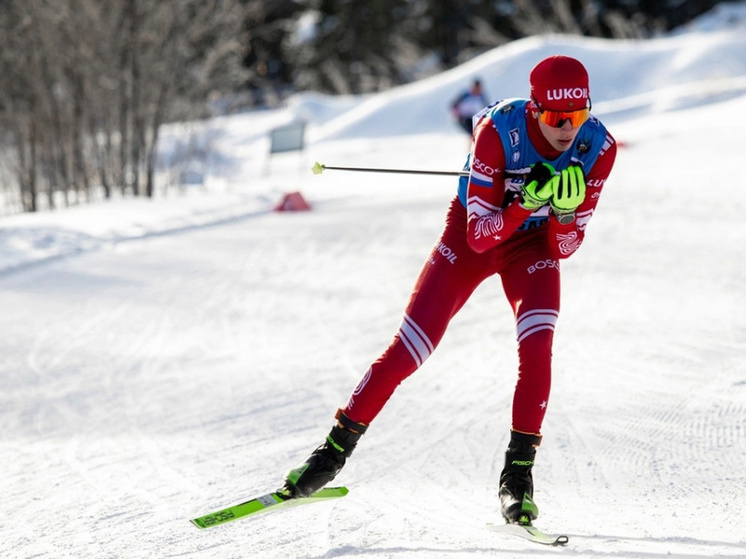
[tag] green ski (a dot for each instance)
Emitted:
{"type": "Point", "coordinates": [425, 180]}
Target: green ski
{"type": "Point", "coordinates": [524, 529]}
{"type": "Point", "coordinates": [265, 503]}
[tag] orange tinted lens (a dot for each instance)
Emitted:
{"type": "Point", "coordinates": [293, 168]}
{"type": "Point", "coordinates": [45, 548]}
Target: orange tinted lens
{"type": "Point", "coordinates": [558, 118]}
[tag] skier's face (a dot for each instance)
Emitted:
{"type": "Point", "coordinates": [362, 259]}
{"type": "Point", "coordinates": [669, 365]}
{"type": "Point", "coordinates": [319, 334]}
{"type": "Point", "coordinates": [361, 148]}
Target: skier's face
{"type": "Point", "coordinates": [560, 138]}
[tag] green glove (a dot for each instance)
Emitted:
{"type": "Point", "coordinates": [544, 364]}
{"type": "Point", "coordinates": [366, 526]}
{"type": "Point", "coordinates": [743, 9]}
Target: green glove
{"type": "Point", "coordinates": [537, 187]}
{"type": "Point", "coordinates": [569, 192]}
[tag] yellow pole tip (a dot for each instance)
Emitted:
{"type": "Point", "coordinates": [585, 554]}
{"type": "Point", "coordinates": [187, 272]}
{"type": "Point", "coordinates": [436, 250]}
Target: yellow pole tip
{"type": "Point", "coordinates": [317, 168]}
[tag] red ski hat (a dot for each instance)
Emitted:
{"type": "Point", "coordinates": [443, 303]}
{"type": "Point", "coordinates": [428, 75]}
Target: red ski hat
{"type": "Point", "coordinates": [559, 83]}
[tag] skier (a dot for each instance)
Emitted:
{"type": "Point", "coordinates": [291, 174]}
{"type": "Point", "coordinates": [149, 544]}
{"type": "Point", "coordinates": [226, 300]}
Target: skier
{"type": "Point", "coordinates": [467, 104]}
{"type": "Point", "coordinates": [536, 170]}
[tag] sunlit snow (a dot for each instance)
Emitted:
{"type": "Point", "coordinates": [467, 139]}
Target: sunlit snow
{"type": "Point", "coordinates": [164, 358]}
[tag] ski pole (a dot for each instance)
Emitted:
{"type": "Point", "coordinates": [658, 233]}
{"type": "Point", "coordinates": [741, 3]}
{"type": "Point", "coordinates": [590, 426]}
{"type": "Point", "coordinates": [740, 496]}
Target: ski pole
{"type": "Point", "coordinates": [319, 168]}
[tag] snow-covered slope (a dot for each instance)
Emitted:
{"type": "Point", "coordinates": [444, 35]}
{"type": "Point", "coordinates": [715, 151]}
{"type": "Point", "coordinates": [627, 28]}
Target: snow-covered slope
{"type": "Point", "coordinates": [160, 359]}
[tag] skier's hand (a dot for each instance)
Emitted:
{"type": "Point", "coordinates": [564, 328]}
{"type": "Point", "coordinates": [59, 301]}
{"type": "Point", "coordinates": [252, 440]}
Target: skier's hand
{"type": "Point", "coordinates": [537, 187]}
{"type": "Point", "coordinates": [568, 191]}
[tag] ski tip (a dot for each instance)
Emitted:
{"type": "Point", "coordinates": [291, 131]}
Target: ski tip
{"type": "Point", "coordinates": [531, 533]}
{"type": "Point", "coordinates": [340, 491]}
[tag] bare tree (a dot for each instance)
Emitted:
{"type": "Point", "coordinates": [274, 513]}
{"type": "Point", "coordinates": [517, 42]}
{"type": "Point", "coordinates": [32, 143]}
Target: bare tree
{"type": "Point", "coordinates": [88, 84]}
{"type": "Point", "coordinates": [171, 55]}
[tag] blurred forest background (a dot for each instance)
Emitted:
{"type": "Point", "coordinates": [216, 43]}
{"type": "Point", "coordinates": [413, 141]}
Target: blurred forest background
{"type": "Point", "coordinates": [87, 84]}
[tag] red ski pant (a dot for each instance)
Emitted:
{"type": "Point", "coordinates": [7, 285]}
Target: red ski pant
{"type": "Point", "coordinates": [531, 281]}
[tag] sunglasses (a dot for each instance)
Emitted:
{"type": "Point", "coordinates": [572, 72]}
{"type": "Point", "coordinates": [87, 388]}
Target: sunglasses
{"type": "Point", "coordinates": [556, 119]}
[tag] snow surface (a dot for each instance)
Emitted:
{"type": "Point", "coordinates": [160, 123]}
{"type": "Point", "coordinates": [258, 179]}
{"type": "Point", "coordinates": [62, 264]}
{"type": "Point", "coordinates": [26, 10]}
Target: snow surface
{"type": "Point", "coordinates": [165, 358]}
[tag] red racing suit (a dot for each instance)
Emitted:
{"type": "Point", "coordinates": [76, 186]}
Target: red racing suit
{"type": "Point", "coordinates": [489, 232]}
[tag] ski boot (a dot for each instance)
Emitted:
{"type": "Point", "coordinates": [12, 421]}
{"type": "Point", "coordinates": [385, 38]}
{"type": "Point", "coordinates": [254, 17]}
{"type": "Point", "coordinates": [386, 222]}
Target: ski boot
{"type": "Point", "coordinates": [326, 461]}
{"type": "Point", "coordinates": [516, 481]}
